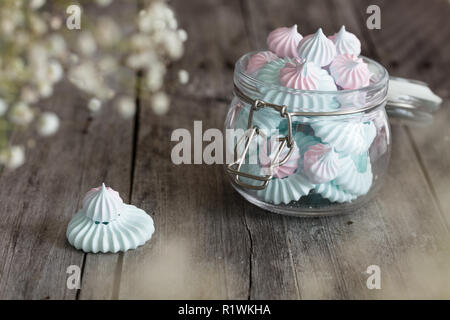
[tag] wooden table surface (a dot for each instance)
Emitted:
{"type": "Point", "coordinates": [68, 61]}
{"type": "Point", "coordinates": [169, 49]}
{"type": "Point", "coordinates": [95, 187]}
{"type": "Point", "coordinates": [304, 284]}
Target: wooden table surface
{"type": "Point", "coordinates": [209, 242]}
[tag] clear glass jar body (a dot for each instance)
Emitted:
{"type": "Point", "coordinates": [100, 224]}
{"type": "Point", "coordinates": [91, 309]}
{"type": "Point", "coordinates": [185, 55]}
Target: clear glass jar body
{"type": "Point", "coordinates": [307, 153]}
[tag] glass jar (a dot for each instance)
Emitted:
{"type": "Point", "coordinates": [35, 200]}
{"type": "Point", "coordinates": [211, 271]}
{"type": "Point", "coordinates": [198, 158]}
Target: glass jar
{"type": "Point", "coordinates": [307, 153]}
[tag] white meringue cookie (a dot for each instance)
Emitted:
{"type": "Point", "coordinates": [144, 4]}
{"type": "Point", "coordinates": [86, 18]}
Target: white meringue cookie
{"type": "Point", "coordinates": [321, 163]}
{"type": "Point", "coordinates": [317, 48]}
{"type": "Point", "coordinates": [283, 41]}
{"type": "Point", "coordinates": [346, 42]}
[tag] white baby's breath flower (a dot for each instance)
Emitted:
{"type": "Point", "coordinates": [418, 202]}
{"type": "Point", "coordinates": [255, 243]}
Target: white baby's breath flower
{"type": "Point", "coordinates": [37, 24]}
{"type": "Point", "coordinates": [107, 32]}
{"type": "Point", "coordinates": [21, 114]}
{"type": "Point", "coordinates": [45, 89]}
{"type": "Point", "coordinates": [3, 107]}
{"type": "Point", "coordinates": [94, 105]}
{"type": "Point", "coordinates": [57, 45]}
{"type": "Point", "coordinates": [13, 157]}
{"type": "Point", "coordinates": [183, 76]}
{"type": "Point", "coordinates": [103, 3]}
{"type": "Point", "coordinates": [36, 4]}
{"type": "Point", "coordinates": [173, 45]}
{"type": "Point", "coordinates": [160, 103]}
{"type": "Point", "coordinates": [182, 35]}
{"type": "Point", "coordinates": [55, 23]}
{"type": "Point", "coordinates": [55, 71]}
{"type": "Point", "coordinates": [47, 124]}
{"type": "Point", "coordinates": [86, 43]}
{"type": "Point", "coordinates": [126, 107]}
{"type": "Point", "coordinates": [29, 95]}
{"type": "Point", "coordinates": [108, 65]}
{"type": "Point", "coordinates": [154, 80]}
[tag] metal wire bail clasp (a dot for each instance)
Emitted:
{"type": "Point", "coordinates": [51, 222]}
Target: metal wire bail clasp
{"type": "Point", "coordinates": [234, 168]}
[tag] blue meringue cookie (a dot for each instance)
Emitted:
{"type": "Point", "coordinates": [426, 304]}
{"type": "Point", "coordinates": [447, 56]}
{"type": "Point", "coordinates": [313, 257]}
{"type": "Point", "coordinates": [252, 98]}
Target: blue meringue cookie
{"type": "Point", "coordinates": [270, 72]}
{"type": "Point", "coordinates": [265, 118]}
{"type": "Point", "coordinates": [286, 190]}
{"type": "Point", "coordinates": [334, 193]}
{"type": "Point", "coordinates": [350, 177]}
{"type": "Point", "coordinates": [106, 224]}
{"type": "Point", "coordinates": [349, 136]}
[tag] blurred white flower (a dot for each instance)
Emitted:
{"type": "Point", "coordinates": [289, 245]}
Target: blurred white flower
{"type": "Point", "coordinates": [45, 89]}
{"type": "Point", "coordinates": [57, 46]}
{"type": "Point", "coordinates": [37, 24]}
{"type": "Point", "coordinates": [173, 45]}
{"type": "Point", "coordinates": [87, 78]}
{"type": "Point", "coordinates": [36, 4]}
{"type": "Point", "coordinates": [47, 124]}
{"type": "Point", "coordinates": [126, 107]}
{"type": "Point", "coordinates": [107, 32]}
{"type": "Point", "coordinates": [21, 114]}
{"type": "Point", "coordinates": [3, 107]}
{"type": "Point", "coordinates": [86, 43]}
{"type": "Point", "coordinates": [29, 95]}
{"type": "Point", "coordinates": [108, 65]}
{"type": "Point", "coordinates": [55, 23]}
{"type": "Point", "coordinates": [55, 71]}
{"type": "Point", "coordinates": [182, 35]}
{"type": "Point", "coordinates": [160, 103]}
{"type": "Point", "coordinates": [13, 157]}
{"type": "Point", "coordinates": [94, 105]}
{"type": "Point", "coordinates": [34, 54]}
{"type": "Point", "coordinates": [103, 3]}
{"type": "Point", "coordinates": [183, 76]}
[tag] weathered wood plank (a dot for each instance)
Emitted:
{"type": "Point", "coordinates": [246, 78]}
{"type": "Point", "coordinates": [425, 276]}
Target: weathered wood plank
{"type": "Point", "coordinates": [429, 63]}
{"type": "Point", "coordinates": [38, 200]}
{"type": "Point", "coordinates": [101, 272]}
{"type": "Point", "coordinates": [200, 248]}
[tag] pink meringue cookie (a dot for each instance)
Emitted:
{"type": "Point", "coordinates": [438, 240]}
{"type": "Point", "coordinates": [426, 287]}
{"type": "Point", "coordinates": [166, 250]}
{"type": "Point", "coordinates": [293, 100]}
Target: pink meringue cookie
{"type": "Point", "coordinates": [302, 76]}
{"type": "Point", "coordinates": [267, 156]}
{"type": "Point", "coordinates": [346, 42]}
{"type": "Point", "coordinates": [284, 41]}
{"type": "Point", "coordinates": [321, 163]}
{"type": "Point", "coordinates": [317, 48]}
{"type": "Point", "coordinates": [260, 59]}
{"type": "Point", "coordinates": [350, 72]}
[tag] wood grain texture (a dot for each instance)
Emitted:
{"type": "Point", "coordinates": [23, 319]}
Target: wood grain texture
{"type": "Point", "coordinates": [113, 155]}
{"type": "Point", "coordinates": [38, 200]}
{"type": "Point", "coordinates": [201, 246]}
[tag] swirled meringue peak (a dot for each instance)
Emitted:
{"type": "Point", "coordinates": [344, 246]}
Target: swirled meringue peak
{"type": "Point", "coordinates": [302, 76]}
{"type": "Point", "coordinates": [321, 163]}
{"type": "Point", "coordinates": [317, 48]}
{"type": "Point", "coordinates": [350, 72]}
{"type": "Point", "coordinates": [106, 224]}
{"type": "Point", "coordinates": [346, 42]}
{"type": "Point", "coordinates": [260, 59]}
{"type": "Point", "coordinates": [102, 204]}
{"type": "Point", "coordinates": [284, 41]}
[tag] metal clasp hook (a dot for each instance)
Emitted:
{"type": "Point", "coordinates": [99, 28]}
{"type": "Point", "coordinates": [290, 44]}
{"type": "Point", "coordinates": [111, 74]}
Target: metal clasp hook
{"type": "Point", "coordinates": [234, 168]}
